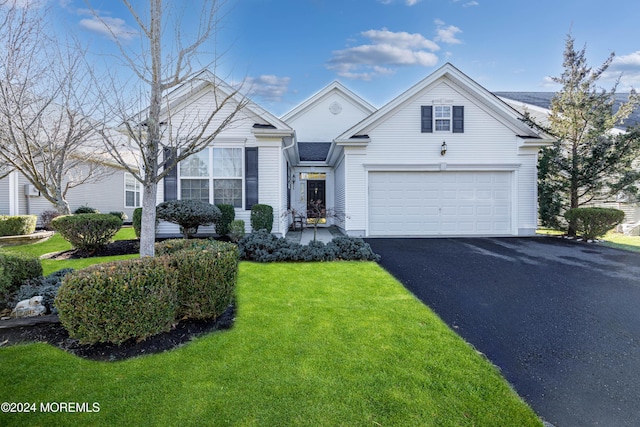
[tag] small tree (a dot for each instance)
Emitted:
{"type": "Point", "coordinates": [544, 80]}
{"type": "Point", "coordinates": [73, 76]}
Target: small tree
{"type": "Point", "coordinates": [316, 212]}
{"type": "Point", "coordinates": [589, 161]}
{"type": "Point", "coordinates": [188, 214]}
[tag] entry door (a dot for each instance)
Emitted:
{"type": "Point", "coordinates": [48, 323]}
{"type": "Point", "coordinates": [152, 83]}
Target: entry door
{"type": "Point", "coordinates": [315, 192]}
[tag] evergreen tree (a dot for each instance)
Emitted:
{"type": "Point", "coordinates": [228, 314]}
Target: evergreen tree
{"type": "Point", "coordinates": [590, 161]}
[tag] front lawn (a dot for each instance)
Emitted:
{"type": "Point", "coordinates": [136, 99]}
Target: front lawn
{"type": "Point", "coordinates": [620, 241]}
{"type": "Point", "coordinates": [317, 344]}
{"type": "Point", "coordinates": [56, 244]}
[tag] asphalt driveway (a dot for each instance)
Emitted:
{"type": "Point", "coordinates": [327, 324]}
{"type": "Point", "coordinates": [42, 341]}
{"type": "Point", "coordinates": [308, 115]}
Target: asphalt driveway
{"type": "Point", "coordinates": [560, 319]}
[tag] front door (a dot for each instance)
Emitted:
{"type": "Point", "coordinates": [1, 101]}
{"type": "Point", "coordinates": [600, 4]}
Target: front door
{"type": "Point", "coordinates": [316, 202]}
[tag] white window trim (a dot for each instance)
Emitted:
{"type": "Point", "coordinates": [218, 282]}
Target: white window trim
{"type": "Point", "coordinates": [137, 189]}
{"type": "Point", "coordinates": [435, 118]}
{"type": "Point", "coordinates": [212, 178]}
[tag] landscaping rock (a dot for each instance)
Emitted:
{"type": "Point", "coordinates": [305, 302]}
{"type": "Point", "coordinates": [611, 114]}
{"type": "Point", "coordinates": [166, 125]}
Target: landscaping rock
{"type": "Point", "coordinates": [29, 308]}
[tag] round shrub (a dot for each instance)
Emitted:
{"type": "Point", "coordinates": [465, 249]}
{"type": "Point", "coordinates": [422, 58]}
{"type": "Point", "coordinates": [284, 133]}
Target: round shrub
{"type": "Point", "coordinates": [236, 230]}
{"type": "Point", "coordinates": [188, 214]}
{"type": "Point", "coordinates": [123, 216]}
{"type": "Point", "coordinates": [87, 232]}
{"type": "Point", "coordinates": [594, 222]}
{"type": "Point", "coordinates": [117, 301]}
{"type": "Point", "coordinates": [136, 221]}
{"type": "Point", "coordinates": [352, 249]}
{"type": "Point", "coordinates": [206, 274]}
{"type": "Point", "coordinates": [261, 217]}
{"type": "Point", "coordinates": [85, 210]}
{"type": "Point", "coordinates": [17, 225]}
{"type": "Point", "coordinates": [228, 214]}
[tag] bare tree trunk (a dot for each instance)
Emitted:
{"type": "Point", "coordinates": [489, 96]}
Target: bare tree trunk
{"type": "Point", "coordinates": [148, 226]}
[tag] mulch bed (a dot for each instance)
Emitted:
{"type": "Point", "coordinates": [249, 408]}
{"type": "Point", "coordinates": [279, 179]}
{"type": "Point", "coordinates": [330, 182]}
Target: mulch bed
{"type": "Point", "coordinates": [48, 329]}
{"type": "Point", "coordinates": [56, 335]}
{"type": "Point", "coordinates": [119, 247]}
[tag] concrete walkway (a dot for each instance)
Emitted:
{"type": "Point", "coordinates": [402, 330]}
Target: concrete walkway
{"type": "Point", "coordinates": [324, 234]}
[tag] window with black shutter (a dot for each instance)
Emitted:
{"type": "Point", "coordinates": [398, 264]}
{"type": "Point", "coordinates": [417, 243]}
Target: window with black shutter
{"type": "Point", "coordinates": [251, 177]}
{"type": "Point", "coordinates": [427, 118]}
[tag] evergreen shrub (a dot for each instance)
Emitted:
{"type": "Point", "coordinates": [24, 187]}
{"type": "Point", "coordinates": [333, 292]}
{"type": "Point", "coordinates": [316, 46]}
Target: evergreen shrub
{"type": "Point", "coordinates": [236, 230]}
{"type": "Point", "coordinates": [87, 232]}
{"type": "Point", "coordinates": [16, 268]}
{"type": "Point", "coordinates": [261, 217]}
{"type": "Point", "coordinates": [17, 225]}
{"type": "Point", "coordinates": [117, 301]}
{"type": "Point", "coordinates": [136, 221]}
{"type": "Point", "coordinates": [594, 222]}
{"type": "Point", "coordinates": [228, 214]}
{"type": "Point", "coordinates": [188, 214]}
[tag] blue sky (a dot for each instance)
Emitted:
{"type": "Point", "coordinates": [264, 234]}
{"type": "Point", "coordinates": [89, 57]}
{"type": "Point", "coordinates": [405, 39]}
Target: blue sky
{"type": "Point", "coordinates": [290, 49]}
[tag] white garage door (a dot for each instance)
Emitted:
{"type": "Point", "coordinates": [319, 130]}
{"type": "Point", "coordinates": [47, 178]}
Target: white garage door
{"type": "Point", "coordinates": [439, 203]}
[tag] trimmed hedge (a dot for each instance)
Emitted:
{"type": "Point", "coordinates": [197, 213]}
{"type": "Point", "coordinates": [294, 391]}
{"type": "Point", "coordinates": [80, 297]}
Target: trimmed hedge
{"type": "Point", "coordinates": [224, 222]}
{"type": "Point", "coordinates": [261, 246]}
{"type": "Point", "coordinates": [17, 225]}
{"type": "Point", "coordinates": [87, 232]}
{"type": "Point", "coordinates": [15, 269]}
{"type": "Point", "coordinates": [138, 298]}
{"type": "Point", "coordinates": [118, 301]}
{"type": "Point", "coordinates": [594, 222]}
{"type": "Point", "coordinates": [188, 214]}
{"type": "Point", "coordinates": [261, 217]}
{"type": "Point", "coordinates": [136, 221]}
{"type": "Point", "coordinates": [206, 274]}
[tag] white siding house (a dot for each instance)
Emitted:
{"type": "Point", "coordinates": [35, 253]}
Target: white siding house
{"type": "Point", "coordinates": [445, 158]}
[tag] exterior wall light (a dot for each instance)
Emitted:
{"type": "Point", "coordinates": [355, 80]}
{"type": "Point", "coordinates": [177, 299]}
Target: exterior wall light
{"type": "Point", "coordinates": [443, 148]}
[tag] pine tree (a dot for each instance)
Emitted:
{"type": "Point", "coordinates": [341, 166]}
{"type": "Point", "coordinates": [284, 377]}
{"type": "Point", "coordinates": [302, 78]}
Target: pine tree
{"type": "Point", "coordinates": [589, 161]}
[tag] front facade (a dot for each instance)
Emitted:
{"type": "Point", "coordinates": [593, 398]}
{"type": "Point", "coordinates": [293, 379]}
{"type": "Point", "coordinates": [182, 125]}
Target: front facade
{"type": "Point", "coordinates": [445, 158]}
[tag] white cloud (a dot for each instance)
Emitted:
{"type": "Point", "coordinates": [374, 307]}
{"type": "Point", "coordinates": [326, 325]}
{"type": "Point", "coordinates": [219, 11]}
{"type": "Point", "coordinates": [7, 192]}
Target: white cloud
{"type": "Point", "coordinates": [109, 27]}
{"type": "Point", "coordinates": [471, 3]}
{"type": "Point", "coordinates": [627, 68]}
{"type": "Point", "coordinates": [387, 49]}
{"type": "Point", "coordinates": [268, 87]}
{"type": "Point", "coordinates": [447, 34]}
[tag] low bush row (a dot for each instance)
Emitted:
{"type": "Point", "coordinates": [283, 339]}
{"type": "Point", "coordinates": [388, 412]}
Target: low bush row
{"type": "Point", "coordinates": [17, 225]}
{"type": "Point", "coordinates": [138, 298]}
{"type": "Point", "coordinates": [262, 246]}
{"type": "Point", "coordinates": [594, 222]}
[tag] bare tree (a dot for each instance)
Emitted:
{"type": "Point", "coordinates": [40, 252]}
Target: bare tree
{"type": "Point", "coordinates": [45, 104]}
{"type": "Point", "coordinates": [165, 79]}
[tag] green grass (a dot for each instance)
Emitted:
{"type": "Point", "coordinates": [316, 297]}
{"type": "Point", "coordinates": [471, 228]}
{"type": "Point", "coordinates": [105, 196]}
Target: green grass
{"type": "Point", "coordinates": [620, 241]}
{"type": "Point", "coordinates": [314, 344]}
{"type": "Point", "coordinates": [57, 244]}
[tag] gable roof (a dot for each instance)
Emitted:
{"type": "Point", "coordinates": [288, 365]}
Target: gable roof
{"type": "Point", "coordinates": [543, 100]}
{"type": "Point", "coordinates": [334, 86]}
{"type": "Point", "coordinates": [358, 132]}
{"type": "Point", "coordinates": [200, 81]}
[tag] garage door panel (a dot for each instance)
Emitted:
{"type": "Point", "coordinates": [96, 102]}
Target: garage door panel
{"type": "Point", "coordinates": [440, 203]}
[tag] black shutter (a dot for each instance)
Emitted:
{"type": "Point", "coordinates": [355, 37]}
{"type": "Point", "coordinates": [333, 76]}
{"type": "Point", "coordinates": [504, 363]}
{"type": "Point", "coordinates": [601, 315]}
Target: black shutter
{"type": "Point", "coordinates": [171, 179]}
{"type": "Point", "coordinates": [458, 119]}
{"type": "Point", "coordinates": [251, 176]}
{"type": "Point", "coordinates": [427, 118]}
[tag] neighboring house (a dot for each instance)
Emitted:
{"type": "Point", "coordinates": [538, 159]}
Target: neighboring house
{"type": "Point", "coordinates": [116, 191]}
{"type": "Point", "coordinates": [538, 105]}
{"type": "Point", "coordinates": [445, 158]}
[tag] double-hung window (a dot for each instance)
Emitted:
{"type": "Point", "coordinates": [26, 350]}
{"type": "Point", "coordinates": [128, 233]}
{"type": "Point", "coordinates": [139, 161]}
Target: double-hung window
{"type": "Point", "coordinates": [132, 191]}
{"type": "Point", "coordinates": [442, 117]}
{"type": "Point", "coordinates": [213, 175]}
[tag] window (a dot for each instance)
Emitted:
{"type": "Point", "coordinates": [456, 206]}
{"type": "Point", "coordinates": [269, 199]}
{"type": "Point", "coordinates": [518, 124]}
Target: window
{"type": "Point", "coordinates": [442, 117]}
{"type": "Point", "coordinates": [131, 191]}
{"type": "Point", "coordinates": [214, 175]}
